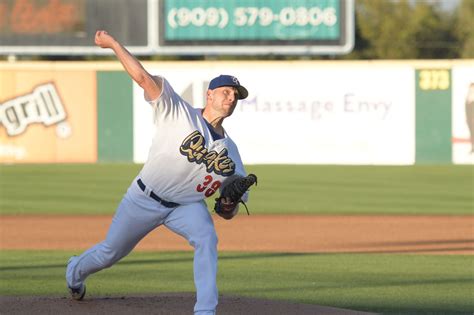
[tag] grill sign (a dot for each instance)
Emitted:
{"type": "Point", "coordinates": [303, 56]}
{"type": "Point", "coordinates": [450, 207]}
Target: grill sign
{"type": "Point", "coordinates": [43, 105]}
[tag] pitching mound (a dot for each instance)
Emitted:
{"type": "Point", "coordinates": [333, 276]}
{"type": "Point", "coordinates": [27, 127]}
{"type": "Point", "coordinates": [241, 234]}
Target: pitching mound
{"type": "Point", "coordinates": [158, 304]}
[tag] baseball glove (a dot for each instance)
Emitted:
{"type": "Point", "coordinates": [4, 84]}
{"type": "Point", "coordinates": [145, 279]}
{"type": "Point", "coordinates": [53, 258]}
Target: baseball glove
{"type": "Point", "coordinates": [231, 195]}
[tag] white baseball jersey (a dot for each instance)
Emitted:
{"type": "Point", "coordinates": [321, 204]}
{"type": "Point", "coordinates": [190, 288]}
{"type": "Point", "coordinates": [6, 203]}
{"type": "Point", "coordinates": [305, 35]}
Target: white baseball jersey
{"type": "Point", "coordinates": [185, 163]}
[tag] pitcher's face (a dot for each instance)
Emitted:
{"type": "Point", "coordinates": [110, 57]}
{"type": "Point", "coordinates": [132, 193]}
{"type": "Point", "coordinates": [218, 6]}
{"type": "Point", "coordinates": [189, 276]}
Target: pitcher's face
{"type": "Point", "coordinates": [223, 100]}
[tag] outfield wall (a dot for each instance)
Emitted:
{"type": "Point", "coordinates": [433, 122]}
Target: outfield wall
{"type": "Point", "coordinates": [297, 112]}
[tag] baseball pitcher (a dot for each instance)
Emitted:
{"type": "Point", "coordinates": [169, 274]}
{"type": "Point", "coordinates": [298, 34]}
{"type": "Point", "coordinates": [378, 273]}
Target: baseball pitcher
{"type": "Point", "coordinates": [191, 158]}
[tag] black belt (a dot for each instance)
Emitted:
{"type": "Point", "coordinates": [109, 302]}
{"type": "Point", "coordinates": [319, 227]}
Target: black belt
{"type": "Point", "coordinates": [167, 204]}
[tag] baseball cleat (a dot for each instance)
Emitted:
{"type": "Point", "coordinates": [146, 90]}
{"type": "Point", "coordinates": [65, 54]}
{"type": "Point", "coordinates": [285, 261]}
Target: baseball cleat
{"type": "Point", "coordinates": [77, 294]}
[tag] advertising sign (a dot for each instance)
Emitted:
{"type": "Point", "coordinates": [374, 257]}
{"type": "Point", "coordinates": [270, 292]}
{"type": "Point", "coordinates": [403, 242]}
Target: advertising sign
{"type": "Point", "coordinates": [69, 26]}
{"type": "Point", "coordinates": [209, 21]}
{"type": "Point", "coordinates": [47, 116]}
{"type": "Point", "coordinates": [178, 27]}
{"type": "Point", "coordinates": [310, 26]}
{"type": "Point", "coordinates": [304, 113]}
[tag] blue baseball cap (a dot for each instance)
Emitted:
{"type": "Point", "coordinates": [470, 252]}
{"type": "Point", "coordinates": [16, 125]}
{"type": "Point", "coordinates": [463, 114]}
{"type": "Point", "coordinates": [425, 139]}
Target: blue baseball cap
{"type": "Point", "coordinates": [229, 80]}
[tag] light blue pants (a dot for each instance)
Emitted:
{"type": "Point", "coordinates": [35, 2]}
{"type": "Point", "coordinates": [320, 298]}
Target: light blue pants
{"type": "Point", "coordinates": [136, 216]}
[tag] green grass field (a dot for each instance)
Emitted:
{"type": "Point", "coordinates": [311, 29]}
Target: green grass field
{"type": "Point", "coordinates": [385, 283]}
{"type": "Point", "coordinates": [389, 284]}
{"type": "Point", "coordinates": [98, 188]}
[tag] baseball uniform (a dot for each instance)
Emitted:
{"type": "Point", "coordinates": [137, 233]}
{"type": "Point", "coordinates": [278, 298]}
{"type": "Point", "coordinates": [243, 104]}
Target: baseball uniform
{"type": "Point", "coordinates": [187, 162]}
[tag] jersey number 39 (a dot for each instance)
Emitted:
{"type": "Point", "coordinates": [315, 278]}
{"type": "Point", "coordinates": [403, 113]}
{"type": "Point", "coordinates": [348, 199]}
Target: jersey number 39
{"type": "Point", "coordinates": [208, 186]}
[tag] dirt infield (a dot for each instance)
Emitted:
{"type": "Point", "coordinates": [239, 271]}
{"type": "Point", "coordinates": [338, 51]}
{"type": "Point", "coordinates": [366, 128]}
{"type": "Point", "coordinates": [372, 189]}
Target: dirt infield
{"type": "Point", "coordinates": [163, 304]}
{"type": "Point", "coordinates": [314, 234]}
{"type": "Point", "coordinates": [262, 233]}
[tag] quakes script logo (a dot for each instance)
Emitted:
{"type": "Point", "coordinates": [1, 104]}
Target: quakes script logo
{"type": "Point", "coordinates": [194, 148]}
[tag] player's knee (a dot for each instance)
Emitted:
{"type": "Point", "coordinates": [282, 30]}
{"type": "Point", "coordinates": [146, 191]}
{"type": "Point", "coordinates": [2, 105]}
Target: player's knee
{"type": "Point", "coordinates": [205, 239]}
{"type": "Point", "coordinates": [110, 256]}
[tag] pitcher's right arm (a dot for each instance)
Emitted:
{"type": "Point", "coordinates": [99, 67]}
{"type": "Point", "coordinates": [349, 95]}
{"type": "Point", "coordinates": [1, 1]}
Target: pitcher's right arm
{"type": "Point", "coordinates": [133, 67]}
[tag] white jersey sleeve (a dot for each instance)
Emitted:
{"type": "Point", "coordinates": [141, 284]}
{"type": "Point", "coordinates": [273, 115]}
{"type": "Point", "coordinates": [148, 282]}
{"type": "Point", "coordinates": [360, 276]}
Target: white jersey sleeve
{"type": "Point", "coordinates": [185, 163]}
{"type": "Point", "coordinates": [168, 103]}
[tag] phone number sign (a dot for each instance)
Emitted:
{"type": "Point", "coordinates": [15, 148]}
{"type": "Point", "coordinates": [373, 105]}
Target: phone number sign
{"type": "Point", "coordinates": [264, 22]}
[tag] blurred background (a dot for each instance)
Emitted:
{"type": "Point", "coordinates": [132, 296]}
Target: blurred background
{"type": "Point", "coordinates": [358, 81]}
{"type": "Point", "coordinates": [387, 29]}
